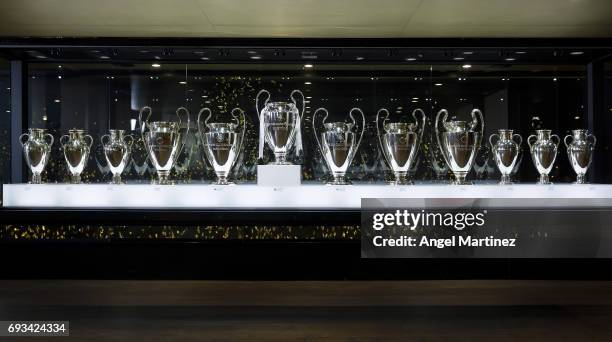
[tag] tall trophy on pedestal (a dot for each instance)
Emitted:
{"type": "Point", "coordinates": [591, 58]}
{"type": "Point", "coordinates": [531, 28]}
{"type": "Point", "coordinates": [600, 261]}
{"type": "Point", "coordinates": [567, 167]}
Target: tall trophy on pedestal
{"type": "Point", "coordinates": [505, 151]}
{"type": "Point", "coordinates": [222, 142]}
{"type": "Point", "coordinates": [162, 140]}
{"type": "Point", "coordinates": [580, 151]}
{"type": "Point", "coordinates": [279, 126]}
{"type": "Point", "coordinates": [458, 143]}
{"type": "Point", "coordinates": [543, 152]}
{"type": "Point", "coordinates": [400, 143]}
{"type": "Point", "coordinates": [338, 143]}
{"type": "Point", "coordinates": [36, 150]}
{"type": "Point", "coordinates": [76, 152]}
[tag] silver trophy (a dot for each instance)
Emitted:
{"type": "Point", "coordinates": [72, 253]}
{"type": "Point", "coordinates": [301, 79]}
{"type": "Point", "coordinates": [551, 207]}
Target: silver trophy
{"type": "Point", "coordinates": [76, 151]}
{"type": "Point", "coordinates": [279, 126]}
{"type": "Point", "coordinates": [459, 142]}
{"type": "Point", "coordinates": [222, 142]}
{"type": "Point", "coordinates": [400, 143]}
{"type": "Point", "coordinates": [117, 147]}
{"type": "Point", "coordinates": [36, 151]}
{"type": "Point", "coordinates": [505, 151]}
{"type": "Point", "coordinates": [580, 151]}
{"type": "Point", "coordinates": [543, 152]}
{"type": "Point", "coordinates": [162, 140]}
{"type": "Point", "coordinates": [338, 143]}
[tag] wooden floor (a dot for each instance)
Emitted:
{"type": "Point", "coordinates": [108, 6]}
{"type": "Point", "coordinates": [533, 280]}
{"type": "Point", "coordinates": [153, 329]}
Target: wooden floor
{"type": "Point", "coordinates": [489, 310]}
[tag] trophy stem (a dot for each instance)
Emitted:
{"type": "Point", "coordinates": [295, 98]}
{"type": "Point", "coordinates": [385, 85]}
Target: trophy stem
{"type": "Point", "coordinates": [505, 179]}
{"type": "Point", "coordinates": [339, 179]}
{"type": "Point", "coordinates": [280, 158]}
{"type": "Point", "coordinates": [75, 178]}
{"type": "Point", "coordinates": [163, 177]}
{"type": "Point", "coordinates": [460, 178]}
{"type": "Point", "coordinates": [580, 178]}
{"type": "Point", "coordinates": [544, 179]}
{"type": "Point", "coordinates": [116, 179]}
{"type": "Point", "coordinates": [401, 178]}
{"type": "Point", "coordinates": [36, 178]}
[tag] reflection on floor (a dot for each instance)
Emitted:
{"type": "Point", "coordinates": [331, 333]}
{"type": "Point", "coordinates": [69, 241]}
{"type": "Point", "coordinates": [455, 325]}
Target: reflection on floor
{"type": "Point", "coordinates": [316, 310]}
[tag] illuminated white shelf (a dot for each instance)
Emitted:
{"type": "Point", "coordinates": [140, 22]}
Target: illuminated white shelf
{"type": "Point", "coordinates": [252, 196]}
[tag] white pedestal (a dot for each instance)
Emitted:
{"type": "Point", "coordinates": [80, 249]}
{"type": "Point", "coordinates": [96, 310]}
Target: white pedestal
{"type": "Point", "coordinates": [279, 175]}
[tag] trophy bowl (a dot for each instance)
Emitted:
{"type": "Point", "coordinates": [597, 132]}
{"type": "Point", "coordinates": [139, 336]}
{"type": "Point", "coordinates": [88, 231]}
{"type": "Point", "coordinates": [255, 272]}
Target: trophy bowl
{"type": "Point", "coordinates": [164, 142]}
{"type": "Point", "coordinates": [543, 152]}
{"type": "Point", "coordinates": [580, 146]}
{"type": "Point", "coordinates": [222, 143]}
{"type": "Point", "coordinates": [458, 143]}
{"type": "Point", "coordinates": [279, 126]}
{"type": "Point", "coordinates": [76, 152]}
{"type": "Point", "coordinates": [400, 144]}
{"type": "Point", "coordinates": [338, 144]}
{"type": "Point", "coordinates": [36, 151]}
{"type": "Point", "coordinates": [116, 146]}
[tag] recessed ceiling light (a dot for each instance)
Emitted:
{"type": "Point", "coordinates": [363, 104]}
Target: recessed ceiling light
{"type": "Point", "coordinates": [308, 66]}
{"type": "Point", "coordinates": [59, 66]}
{"type": "Point", "coordinates": [410, 59]}
{"type": "Point", "coordinates": [359, 58]}
{"type": "Point", "coordinates": [255, 57]}
{"type": "Point", "coordinates": [309, 97]}
{"type": "Point", "coordinates": [156, 65]}
{"type": "Point", "coordinates": [576, 53]}
{"type": "Point", "coordinates": [307, 83]}
{"type": "Point", "coordinates": [41, 57]}
{"type": "Point", "coordinates": [555, 79]}
{"type": "Point", "coordinates": [414, 101]}
{"type": "Point", "coordinates": [104, 57]}
{"type": "Point", "coordinates": [458, 58]}
{"type": "Point", "coordinates": [468, 52]}
{"type": "Point", "coordinates": [438, 84]}
{"type": "Point", "coordinates": [510, 59]}
{"type": "Point", "coordinates": [57, 101]}
{"type": "Point", "coordinates": [520, 52]}
{"type": "Point", "coordinates": [204, 58]}
{"type": "Point", "coordinates": [59, 77]}
{"type": "Point", "coordinates": [183, 82]}
{"type": "Point", "coordinates": [466, 66]}
{"type": "Point", "coordinates": [415, 98]}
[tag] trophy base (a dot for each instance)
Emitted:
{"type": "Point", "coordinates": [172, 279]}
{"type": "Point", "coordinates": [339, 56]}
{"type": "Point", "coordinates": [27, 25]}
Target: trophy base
{"type": "Point", "coordinates": [505, 180]}
{"type": "Point", "coordinates": [116, 180]}
{"type": "Point", "coordinates": [279, 175]}
{"type": "Point", "coordinates": [75, 179]}
{"type": "Point", "coordinates": [544, 180]}
{"type": "Point", "coordinates": [401, 178]}
{"type": "Point", "coordinates": [36, 179]}
{"type": "Point", "coordinates": [163, 178]}
{"type": "Point", "coordinates": [222, 182]}
{"type": "Point", "coordinates": [580, 179]}
{"type": "Point", "coordinates": [460, 180]}
{"type": "Point", "coordinates": [339, 179]}
{"type": "Point", "coordinates": [280, 159]}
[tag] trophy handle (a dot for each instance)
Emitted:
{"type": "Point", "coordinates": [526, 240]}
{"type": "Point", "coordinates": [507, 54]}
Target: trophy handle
{"type": "Point", "coordinates": [199, 122]}
{"type": "Point", "coordinates": [529, 141]}
{"type": "Point", "coordinates": [382, 148]}
{"type": "Point", "coordinates": [491, 139]}
{"type": "Point", "coordinates": [520, 139]}
{"type": "Point", "coordinates": [51, 139]}
{"type": "Point", "coordinates": [62, 142]}
{"type": "Point", "coordinates": [21, 138]}
{"type": "Point", "coordinates": [90, 140]}
{"type": "Point", "coordinates": [592, 138]}
{"type": "Point", "coordinates": [475, 121]}
{"type": "Point", "coordinates": [420, 126]}
{"type": "Point", "coordinates": [178, 115]}
{"type": "Point", "coordinates": [102, 139]}
{"type": "Point", "coordinates": [566, 142]}
{"type": "Point", "coordinates": [261, 123]}
{"type": "Point", "coordinates": [558, 139]}
{"type": "Point", "coordinates": [314, 127]}
{"type": "Point", "coordinates": [241, 112]}
{"type": "Point", "coordinates": [296, 91]}
{"type": "Point", "coordinates": [437, 133]}
{"type": "Point", "coordinates": [363, 124]}
{"type": "Point", "coordinates": [143, 126]}
{"type": "Point", "coordinates": [129, 140]}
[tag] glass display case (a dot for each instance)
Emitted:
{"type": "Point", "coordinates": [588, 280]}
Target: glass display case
{"type": "Point", "coordinates": [123, 143]}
